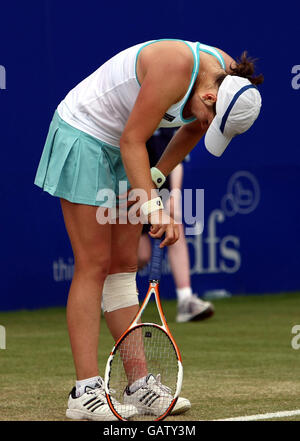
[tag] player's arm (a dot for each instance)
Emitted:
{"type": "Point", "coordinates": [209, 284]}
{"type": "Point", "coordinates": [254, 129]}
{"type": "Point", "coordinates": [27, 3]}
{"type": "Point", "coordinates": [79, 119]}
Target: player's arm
{"type": "Point", "coordinates": [164, 83]}
{"type": "Point", "coordinates": [162, 86]}
{"type": "Point", "coordinates": [184, 140]}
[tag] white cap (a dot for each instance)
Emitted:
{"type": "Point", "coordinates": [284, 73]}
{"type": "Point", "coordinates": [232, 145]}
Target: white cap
{"type": "Point", "coordinates": [237, 107]}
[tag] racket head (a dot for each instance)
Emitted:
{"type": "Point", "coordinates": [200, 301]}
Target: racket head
{"type": "Point", "coordinates": [146, 351]}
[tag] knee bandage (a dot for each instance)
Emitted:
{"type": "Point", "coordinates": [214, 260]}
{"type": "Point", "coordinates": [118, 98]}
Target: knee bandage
{"type": "Point", "coordinates": [119, 291]}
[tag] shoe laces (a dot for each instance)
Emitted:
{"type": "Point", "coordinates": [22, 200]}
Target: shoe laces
{"type": "Point", "coordinates": [162, 388]}
{"type": "Point", "coordinates": [99, 390]}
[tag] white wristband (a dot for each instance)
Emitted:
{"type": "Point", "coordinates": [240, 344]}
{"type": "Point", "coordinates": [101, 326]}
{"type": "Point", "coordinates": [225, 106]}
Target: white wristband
{"type": "Point", "coordinates": [151, 206]}
{"type": "Point", "coordinates": [157, 177]}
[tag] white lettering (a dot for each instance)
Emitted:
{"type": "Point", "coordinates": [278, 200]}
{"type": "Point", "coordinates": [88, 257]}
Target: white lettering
{"type": "Point", "coordinates": [181, 430]}
{"type": "Point", "coordinates": [296, 78]}
{"type": "Point", "coordinates": [191, 431]}
{"type": "Point", "coordinates": [189, 219]}
{"type": "Point", "coordinates": [198, 251]}
{"type": "Point", "coordinates": [135, 215]}
{"type": "Point", "coordinates": [120, 431]}
{"type": "Point", "coordinates": [231, 254]}
{"type": "Point", "coordinates": [295, 340]}
{"type": "Point", "coordinates": [151, 430]}
{"type": "Point", "coordinates": [212, 239]}
{"type": "Point", "coordinates": [106, 215]}
{"type": "Point", "coordinates": [196, 244]}
{"type": "Point", "coordinates": [211, 254]}
{"type": "Point", "coordinates": [159, 431]}
{"type": "Point", "coordinates": [63, 271]}
{"type": "Point", "coordinates": [171, 430]}
{"type": "Point", "coordinates": [2, 337]}
{"type": "Point", "coordinates": [2, 77]}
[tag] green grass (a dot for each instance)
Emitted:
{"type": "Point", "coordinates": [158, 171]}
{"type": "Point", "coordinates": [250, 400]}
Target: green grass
{"type": "Point", "coordinates": [239, 362]}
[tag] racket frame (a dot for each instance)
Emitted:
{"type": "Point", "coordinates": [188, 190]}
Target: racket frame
{"type": "Point", "coordinates": [152, 290]}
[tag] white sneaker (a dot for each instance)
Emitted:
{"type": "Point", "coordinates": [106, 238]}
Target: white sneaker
{"type": "Point", "coordinates": [194, 309]}
{"type": "Point", "coordinates": [153, 398]}
{"type": "Point", "coordinates": [182, 405]}
{"type": "Point", "coordinates": [92, 405]}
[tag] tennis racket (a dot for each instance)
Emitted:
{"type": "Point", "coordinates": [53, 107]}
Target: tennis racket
{"type": "Point", "coordinates": [144, 370]}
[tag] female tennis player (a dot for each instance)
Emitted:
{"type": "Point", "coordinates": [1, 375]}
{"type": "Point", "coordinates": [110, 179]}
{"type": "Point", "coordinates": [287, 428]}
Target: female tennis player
{"type": "Point", "coordinates": [96, 139]}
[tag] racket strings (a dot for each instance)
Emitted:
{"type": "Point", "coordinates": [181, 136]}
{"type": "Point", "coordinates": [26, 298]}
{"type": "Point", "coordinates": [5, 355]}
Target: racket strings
{"type": "Point", "coordinates": [144, 372]}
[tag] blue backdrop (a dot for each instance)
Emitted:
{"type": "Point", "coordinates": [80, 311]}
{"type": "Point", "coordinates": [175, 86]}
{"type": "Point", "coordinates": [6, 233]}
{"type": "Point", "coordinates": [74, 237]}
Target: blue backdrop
{"type": "Point", "coordinates": [250, 243]}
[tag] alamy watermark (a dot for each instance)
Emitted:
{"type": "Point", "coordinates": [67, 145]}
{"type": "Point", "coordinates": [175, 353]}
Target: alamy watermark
{"type": "Point", "coordinates": [2, 337]}
{"type": "Point", "coordinates": [2, 77]}
{"type": "Point", "coordinates": [296, 78]}
{"type": "Point", "coordinates": [295, 342]}
{"type": "Point", "coordinates": [183, 207]}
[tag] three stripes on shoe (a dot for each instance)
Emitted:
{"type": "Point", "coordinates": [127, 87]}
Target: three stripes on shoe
{"type": "Point", "coordinates": [148, 399]}
{"type": "Point", "coordinates": [93, 403]}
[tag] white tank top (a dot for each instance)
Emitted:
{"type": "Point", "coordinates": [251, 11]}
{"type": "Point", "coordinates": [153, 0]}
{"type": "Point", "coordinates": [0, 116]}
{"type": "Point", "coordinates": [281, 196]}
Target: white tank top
{"type": "Point", "coordinates": [101, 104]}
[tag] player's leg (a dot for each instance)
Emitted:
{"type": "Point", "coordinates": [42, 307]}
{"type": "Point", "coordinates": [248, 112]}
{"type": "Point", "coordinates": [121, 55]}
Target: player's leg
{"type": "Point", "coordinates": [120, 293]}
{"type": "Point", "coordinates": [120, 297]}
{"type": "Point", "coordinates": [91, 244]}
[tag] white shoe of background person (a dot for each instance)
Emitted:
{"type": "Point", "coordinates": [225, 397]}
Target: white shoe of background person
{"type": "Point", "coordinates": [92, 405]}
{"type": "Point", "coordinates": [193, 309]}
{"type": "Point", "coordinates": [151, 397]}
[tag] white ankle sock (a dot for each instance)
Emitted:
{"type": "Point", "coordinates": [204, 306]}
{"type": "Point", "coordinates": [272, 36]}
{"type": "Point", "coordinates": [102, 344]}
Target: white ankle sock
{"type": "Point", "coordinates": [81, 384]}
{"type": "Point", "coordinates": [184, 293]}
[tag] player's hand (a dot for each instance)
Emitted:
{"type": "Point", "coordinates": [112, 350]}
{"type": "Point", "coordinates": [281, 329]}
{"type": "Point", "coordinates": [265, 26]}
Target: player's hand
{"type": "Point", "coordinates": [162, 223]}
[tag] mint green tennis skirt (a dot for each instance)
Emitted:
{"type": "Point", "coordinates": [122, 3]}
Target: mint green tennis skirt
{"type": "Point", "coordinates": [75, 165]}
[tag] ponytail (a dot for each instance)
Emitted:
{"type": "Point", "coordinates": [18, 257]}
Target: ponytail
{"type": "Point", "coordinates": [245, 67]}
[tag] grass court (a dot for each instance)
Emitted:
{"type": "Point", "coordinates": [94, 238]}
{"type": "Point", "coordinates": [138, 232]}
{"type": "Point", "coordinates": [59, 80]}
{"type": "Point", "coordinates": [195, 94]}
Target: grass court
{"type": "Point", "coordinates": [239, 362]}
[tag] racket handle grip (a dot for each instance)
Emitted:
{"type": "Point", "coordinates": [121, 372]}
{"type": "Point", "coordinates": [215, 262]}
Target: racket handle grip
{"type": "Point", "coordinates": [156, 261]}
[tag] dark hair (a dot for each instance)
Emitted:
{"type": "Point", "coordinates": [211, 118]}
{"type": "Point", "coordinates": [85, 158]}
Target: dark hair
{"type": "Point", "coordinates": [242, 67]}
{"type": "Point", "coordinates": [245, 67]}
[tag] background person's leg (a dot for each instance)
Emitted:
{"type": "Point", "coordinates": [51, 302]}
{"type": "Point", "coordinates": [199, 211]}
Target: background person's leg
{"type": "Point", "coordinates": [179, 261]}
{"type": "Point", "coordinates": [144, 250]}
{"type": "Point", "coordinates": [189, 306]}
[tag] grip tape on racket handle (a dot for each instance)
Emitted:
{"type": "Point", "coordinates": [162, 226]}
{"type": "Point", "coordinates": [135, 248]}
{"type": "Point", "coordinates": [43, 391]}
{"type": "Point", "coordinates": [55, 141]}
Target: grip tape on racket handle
{"type": "Point", "coordinates": [156, 260]}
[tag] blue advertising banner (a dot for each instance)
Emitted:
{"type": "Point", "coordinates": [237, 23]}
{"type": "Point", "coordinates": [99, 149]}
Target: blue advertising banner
{"type": "Point", "coordinates": [251, 236]}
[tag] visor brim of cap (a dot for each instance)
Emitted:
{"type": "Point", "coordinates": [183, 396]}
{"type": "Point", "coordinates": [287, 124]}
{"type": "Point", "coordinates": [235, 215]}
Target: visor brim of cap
{"type": "Point", "coordinates": [215, 142]}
